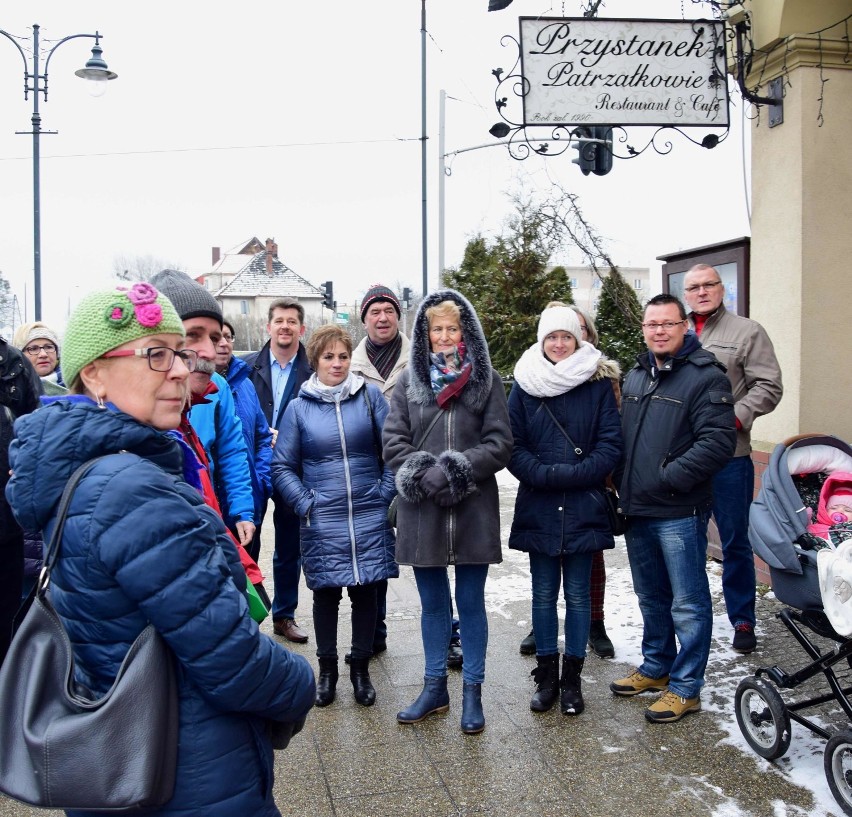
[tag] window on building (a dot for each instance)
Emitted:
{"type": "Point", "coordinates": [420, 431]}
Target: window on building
{"type": "Point", "coordinates": [574, 283]}
{"type": "Point", "coordinates": [637, 283]}
{"type": "Point", "coordinates": [597, 283]}
{"type": "Point", "coordinates": [244, 308]}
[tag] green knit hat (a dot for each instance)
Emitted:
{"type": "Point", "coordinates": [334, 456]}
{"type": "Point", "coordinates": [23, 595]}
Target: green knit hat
{"type": "Point", "coordinates": [109, 318]}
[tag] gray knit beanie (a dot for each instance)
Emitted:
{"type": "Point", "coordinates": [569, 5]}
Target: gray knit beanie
{"type": "Point", "coordinates": [190, 299]}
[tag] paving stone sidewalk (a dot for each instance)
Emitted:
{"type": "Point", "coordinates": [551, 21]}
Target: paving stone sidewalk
{"type": "Point", "coordinates": [609, 762]}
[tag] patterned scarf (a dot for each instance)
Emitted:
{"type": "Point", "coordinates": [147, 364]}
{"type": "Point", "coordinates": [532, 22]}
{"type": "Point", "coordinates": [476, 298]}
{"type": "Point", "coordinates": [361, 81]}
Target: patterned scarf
{"type": "Point", "coordinates": [449, 372]}
{"type": "Point", "coordinates": [384, 355]}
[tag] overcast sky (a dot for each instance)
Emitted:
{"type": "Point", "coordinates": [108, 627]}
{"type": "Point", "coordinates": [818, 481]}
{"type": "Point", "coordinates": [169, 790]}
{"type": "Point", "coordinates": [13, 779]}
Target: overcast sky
{"type": "Point", "coordinates": [301, 122]}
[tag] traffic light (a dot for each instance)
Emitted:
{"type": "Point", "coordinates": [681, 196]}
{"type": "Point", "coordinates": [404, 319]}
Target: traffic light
{"type": "Point", "coordinates": [603, 152]}
{"type": "Point", "coordinates": [406, 297]}
{"type": "Point", "coordinates": [594, 157]}
{"type": "Point", "coordinates": [328, 297]}
{"type": "Point", "coordinates": [585, 151]}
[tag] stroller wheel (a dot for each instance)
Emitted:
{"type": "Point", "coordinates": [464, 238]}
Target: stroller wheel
{"type": "Point", "coordinates": [763, 718]}
{"type": "Point", "coordinates": [838, 768]}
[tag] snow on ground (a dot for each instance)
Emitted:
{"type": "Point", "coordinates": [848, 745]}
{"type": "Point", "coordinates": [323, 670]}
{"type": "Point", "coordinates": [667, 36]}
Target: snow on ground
{"type": "Point", "coordinates": [803, 763]}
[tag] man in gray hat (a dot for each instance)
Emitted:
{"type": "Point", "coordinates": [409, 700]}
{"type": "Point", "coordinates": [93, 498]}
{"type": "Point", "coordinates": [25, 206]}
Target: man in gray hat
{"type": "Point", "coordinates": [216, 426]}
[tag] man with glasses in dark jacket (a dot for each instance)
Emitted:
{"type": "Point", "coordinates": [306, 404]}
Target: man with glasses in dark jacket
{"type": "Point", "coordinates": [677, 418]}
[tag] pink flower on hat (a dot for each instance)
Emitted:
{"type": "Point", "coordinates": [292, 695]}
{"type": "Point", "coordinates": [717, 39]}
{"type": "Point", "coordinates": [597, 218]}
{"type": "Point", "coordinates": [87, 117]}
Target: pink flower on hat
{"type": "Point", "coordinates": [142, 293]}
{"type": "Point", "coordinates": [149, 314]}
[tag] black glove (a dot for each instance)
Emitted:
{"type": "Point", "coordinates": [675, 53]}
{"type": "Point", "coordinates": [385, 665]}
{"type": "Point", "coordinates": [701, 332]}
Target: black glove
{"type": "Point", "coordinates": [280, 732]}
{"type": "Point", "coordinates": [444, 498]}
{"type": "Point", "coordinates": [432, 481]}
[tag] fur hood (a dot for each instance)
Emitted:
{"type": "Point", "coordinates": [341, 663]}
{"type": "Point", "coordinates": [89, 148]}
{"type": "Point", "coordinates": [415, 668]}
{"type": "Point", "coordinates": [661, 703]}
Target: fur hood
{"type": "Point", "coordinates": [608, 369]}
{"type": "Point", "coordinates": [476, 392]}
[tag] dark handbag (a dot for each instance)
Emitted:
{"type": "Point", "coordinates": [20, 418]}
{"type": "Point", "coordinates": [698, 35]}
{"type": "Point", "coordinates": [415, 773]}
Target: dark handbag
{"type": "Point", "coordinates": [617, 520]}
{"type": "Point", "coordinates": [394, 503]}
{"type": "Point", "coordinates": [62, 748]}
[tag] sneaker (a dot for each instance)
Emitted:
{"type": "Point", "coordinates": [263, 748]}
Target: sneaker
{"type": "Point", "coordinates": [745, 640]}
{"type": "Point", "coordinates": [636, 683]}
{"type": "Point", "coordinates": [528, 644]}
{"type": "Point", "coordinates": [671, 707]}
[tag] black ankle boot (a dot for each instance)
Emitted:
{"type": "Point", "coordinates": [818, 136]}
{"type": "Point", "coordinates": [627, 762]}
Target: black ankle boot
{"type": "Point", "coordinates": [327, 681]}
{"type": "Point", "coordinates": [571, 699]}
{"type": "Point", "coordinates": [472, 719]}
{"type": "Point", "coordinates": [599, 641]}
{"type": "Point", "coordinates": [546, 676]}
{"type": "Point", "coordinates": [359, 672]}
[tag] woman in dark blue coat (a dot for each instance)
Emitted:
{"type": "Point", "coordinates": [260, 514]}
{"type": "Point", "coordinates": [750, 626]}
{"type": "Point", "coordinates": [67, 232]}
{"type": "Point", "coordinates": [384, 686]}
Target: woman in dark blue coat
{"type": "Point", "coordinates": [327, 465]}
{"type": "Point", "coordinates": [562, 390]}
{"type": "Point", "coordinates": [140, 546]}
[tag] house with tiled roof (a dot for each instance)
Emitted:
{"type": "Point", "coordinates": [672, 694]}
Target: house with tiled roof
{"type": "Point", "coordinates": [247, 278]}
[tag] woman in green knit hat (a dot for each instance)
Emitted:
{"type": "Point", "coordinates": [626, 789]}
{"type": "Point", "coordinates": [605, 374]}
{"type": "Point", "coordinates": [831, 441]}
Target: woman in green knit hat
{"type": "Point", "coordinates": [140, 546]}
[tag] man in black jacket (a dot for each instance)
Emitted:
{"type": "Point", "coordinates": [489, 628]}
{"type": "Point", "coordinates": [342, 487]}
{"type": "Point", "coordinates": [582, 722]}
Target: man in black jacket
{"type": "Point", "coordinates": [679, 431]}
{"type": "Point", "coordinates": [278, 371]}
{"type": "Point", "coordinates": [20, 388]}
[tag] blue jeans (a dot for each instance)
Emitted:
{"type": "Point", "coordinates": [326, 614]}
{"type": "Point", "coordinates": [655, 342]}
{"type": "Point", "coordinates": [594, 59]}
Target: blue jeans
{"type": "Point", "coordinates": [668, 560]}
{"type": "Point", "coordinates": [287, 560]}
{"type": "Point", "coordinates": [574, 574]}
{"type": "Point", "coordinates": [436, 619]}
{"type": "Point", "coordinates": [733, 489]}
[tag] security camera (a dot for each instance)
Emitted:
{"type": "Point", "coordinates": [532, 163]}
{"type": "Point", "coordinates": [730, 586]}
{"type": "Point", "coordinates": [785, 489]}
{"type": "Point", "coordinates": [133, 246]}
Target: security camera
{"type": "Point", "coordinates": [735, 14]}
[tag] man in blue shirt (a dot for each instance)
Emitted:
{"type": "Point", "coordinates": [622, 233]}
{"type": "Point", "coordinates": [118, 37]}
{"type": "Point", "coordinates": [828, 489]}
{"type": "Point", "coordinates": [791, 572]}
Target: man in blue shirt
{"type": "Point", "coordinates": [278, 371]}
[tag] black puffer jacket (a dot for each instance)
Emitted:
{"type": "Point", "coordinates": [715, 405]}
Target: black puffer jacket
{"type": "Point", "coordinates": [471, 442]}
{"type": "Point", "coordinates": [679, 430]}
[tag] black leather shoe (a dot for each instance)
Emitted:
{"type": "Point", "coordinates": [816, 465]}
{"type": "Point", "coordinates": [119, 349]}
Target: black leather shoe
{"type": "Point", "coordinates": [455, 657]}
{"type": "Point", "coordinates": [528, 644]}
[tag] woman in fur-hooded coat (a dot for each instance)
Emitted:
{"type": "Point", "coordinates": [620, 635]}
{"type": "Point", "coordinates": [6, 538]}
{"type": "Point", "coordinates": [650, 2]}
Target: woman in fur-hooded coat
{"type": "Point", "coordinates": [448, 510]}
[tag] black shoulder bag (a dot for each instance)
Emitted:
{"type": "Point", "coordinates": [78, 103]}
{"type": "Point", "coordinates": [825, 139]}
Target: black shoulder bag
{"type": "Point", "coordinates": [617, 520]}
{"type": "Point", "coordinates": [62, 748]}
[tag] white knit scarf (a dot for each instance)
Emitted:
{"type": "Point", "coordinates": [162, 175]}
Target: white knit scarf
{"type": "Point", "coordinates": [537, 376]}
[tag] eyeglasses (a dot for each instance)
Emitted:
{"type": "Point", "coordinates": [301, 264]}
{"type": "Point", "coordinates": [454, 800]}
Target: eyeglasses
{"type": "Point", "coordinates": [48, 348]}
{"type": "Point", "coordinates": [709, 287]}
{"type": "Point", "coordinates": [227, 337]}
{"type": "Point", "coordinates": [667, 325]}
{"type": "Point", "coordinates": [160, 358]}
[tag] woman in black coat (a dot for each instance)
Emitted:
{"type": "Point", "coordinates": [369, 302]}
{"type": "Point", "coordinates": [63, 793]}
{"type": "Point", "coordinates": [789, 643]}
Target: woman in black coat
{"type": "Point", "coordinates": [445, 438]}
{"type": "Point", "coordinates": [567, 439]}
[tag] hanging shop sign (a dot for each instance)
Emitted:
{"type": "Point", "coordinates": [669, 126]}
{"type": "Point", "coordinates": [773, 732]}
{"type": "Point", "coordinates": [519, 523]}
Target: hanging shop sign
{"type": "Point", "coordinates": [590, 71]}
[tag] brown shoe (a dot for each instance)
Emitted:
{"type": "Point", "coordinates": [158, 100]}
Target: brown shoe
{"type": "Point", "coordinates": [287, 628]}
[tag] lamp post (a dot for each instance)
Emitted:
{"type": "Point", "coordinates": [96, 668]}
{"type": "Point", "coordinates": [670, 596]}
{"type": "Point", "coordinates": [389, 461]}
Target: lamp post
{"type": "Point", "coordinates": [35, 82]}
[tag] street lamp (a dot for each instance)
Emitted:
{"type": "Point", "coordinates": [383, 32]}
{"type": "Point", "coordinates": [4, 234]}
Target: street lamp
{"type": "Point", "coordinates": [97, 73]}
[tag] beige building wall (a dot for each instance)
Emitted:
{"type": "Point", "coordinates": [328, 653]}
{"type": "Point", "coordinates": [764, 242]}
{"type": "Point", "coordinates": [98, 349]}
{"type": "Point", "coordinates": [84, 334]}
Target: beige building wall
{"type": "Point", "coordinates": [801, 249]}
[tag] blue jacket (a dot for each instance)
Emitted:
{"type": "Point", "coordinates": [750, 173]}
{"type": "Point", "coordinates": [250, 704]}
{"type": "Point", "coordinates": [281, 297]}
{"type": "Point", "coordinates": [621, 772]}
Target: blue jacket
{"type": "Point", "coordinates": [141, 546]}
{"type": "Point", "coordinates": [221, 433]}
{"type": "Point", "coordinates": [256, 433]}
{"type": "Point", "coordinates": [326, 466]}
{"type": "Point", "coordinates": [560, 508]}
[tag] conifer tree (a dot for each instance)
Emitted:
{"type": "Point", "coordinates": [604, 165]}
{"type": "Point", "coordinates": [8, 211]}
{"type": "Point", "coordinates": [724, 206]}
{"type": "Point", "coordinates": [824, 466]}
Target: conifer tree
{"type": "Point", "coordinates": [618, 321]}
{"type": "Point", "coordinates": [509, 283]}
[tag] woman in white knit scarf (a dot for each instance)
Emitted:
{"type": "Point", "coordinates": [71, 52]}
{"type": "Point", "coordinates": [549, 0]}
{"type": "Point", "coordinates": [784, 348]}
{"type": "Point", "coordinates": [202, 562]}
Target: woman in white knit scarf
{"type": "Point", "coordinates": [567, 439]}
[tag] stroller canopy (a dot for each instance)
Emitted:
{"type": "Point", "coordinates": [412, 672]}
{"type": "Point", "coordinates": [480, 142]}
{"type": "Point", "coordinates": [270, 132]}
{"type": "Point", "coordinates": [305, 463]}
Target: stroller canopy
{"type": "Point", "coordinates": [778, 517]}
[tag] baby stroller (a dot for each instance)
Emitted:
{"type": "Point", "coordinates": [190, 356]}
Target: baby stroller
{"type": "Point", "coordinates": [778, 533]}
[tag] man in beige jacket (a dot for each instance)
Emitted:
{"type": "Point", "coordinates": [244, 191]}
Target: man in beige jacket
{"type": "Point", "coordinates": [745, 349]}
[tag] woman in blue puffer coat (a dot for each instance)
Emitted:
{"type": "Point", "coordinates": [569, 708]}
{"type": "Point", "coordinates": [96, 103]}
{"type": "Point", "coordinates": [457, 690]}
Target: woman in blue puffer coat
{"type": "Point", "coordinates": [140, 546]}
{"type": "Point", "coordinates": [328, 467]}
{"type": "Point", "coordinates": [562, 390]}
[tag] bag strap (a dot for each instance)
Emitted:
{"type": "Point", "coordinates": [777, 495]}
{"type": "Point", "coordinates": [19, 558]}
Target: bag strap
{"type": "Point", "coordinates": [577, 450]}
{"type": "Point", "coordinates": [51, 550]}
{"type": "Point", "coordinates": [429, 429]}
